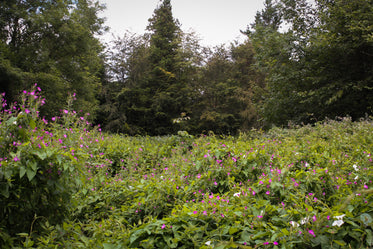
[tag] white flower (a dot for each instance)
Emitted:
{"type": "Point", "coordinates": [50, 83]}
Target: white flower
{"type": "Point", "coordinates": [208, 243]}
{"type": "Point", "coordinates": [340, 217]}
{"type": "Point", "coordinates": [355, 167]}
{"type": "Point", "coordinates": [294, 224]}
{"type": "Point", "coordinates": [307, 164]}
{"type": "Point", "coordinates": [304, 220]}
{"type": "Point", "coordinates": [237, 194]}
{"type": "Point", "coordinates": [356, 177]}
{"type": "Point", "coordinates": [337, 223]}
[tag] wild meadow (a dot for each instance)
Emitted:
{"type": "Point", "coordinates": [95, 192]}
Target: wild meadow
{"type": "Point", "coordinates": [66, 184]}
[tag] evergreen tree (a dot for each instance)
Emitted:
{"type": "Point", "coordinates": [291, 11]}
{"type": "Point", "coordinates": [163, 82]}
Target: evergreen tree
{"type": "Point", "coordinates": [152, 102]}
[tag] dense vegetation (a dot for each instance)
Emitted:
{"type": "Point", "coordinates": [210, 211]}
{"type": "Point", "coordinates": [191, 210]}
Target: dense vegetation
{"type": "Point", "coordinates": [302, 62]}
{"type": "Point", "coordinates": [221, 175]}
{"type": "Point", "coordinates": [64, 184]}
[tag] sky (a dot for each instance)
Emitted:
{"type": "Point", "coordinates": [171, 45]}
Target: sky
{"type": "Point", "coordinates": [214, 21]}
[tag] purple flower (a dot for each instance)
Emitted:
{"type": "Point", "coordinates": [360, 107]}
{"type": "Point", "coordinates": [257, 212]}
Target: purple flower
{"type": "Point", "coordinates": [163, 226]}
{"type": "Point", "coordinates": [312, 233]}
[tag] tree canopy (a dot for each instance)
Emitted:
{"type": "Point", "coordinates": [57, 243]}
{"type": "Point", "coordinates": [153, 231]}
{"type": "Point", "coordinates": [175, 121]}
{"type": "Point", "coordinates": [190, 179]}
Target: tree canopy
{"type": "Point", "coordinates": [302, 62]}
{"type": "Point", "coordinates": [51, 43]}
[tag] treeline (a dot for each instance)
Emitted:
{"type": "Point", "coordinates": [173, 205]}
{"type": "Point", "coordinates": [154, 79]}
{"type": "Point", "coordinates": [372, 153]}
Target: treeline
{"type": "Point", "coordinates": [301, 62]}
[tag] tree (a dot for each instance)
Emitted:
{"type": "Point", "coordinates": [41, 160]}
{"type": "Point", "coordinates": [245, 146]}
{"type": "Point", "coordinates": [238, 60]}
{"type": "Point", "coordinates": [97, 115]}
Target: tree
{"type": "Point", "coordinates": [321, 66]}
{"type": "Point", "coordinates": [52, 43]}
{"type": "Point", "coordinates": [154, 89]}
{"type": "Point", "coordinates": [226, 92]}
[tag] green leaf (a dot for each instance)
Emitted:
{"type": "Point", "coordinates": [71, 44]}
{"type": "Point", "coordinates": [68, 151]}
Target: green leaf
{"type": "Point", "coordinates": [340, 242]}
{"type": "Point", "coordinates": [366, 219]}
{"type": "Point", "coordinates": [33, 165]}
{"type": "Point", "coordinates": [233, 230]}
{"type": "Point", "coordinates": [32, 124]}
{"type": "Point", "coordinates": [4, 189]}
{"type": "Point", "coordinates": [245, 236]}
{"type": "Point", "coordinates": [22, 171]}
{"type": "Point", "coordinates": [41, 154]}
{"type": "Point", "coordinates": [30, 174]}
{"type": "Point", "coordinates": [110, 246]}
{"type": "Point", "coordinates": [369, 237]}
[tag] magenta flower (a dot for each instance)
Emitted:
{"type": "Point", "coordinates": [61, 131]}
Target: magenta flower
{"type": "Point", "coordinates": [275, 243]}
{"type": "Point", "coordinates": [312, 233]}
{"type": "Point", "coordinates": [163, 226]}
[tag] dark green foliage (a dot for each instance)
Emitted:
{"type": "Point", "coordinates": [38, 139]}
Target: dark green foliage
{"type": "Point", "coordinates": [321, 66]}
{"type": "Point", "coordinates": [51, 43]}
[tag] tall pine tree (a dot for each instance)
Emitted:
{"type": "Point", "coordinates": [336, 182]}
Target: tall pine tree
{"type": "Point", "coordinates": [153, 103]}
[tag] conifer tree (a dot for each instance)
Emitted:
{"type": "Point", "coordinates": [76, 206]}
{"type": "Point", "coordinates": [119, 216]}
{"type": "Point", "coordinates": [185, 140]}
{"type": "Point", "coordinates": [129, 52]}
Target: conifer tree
{"type": "Point", "coordinates": [154, 102]}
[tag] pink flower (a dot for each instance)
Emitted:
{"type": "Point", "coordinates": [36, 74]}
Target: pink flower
{"type": "Point", "coordinates": [312, 233]}
{"type": "Point", "coordinates": [163, 226]}
{"type": "Point", "coordinates": [195, 212]}
{"type": "Point", "coordinates": [275, 243]}
{"type": "Point", "coordinates": [66, 111]}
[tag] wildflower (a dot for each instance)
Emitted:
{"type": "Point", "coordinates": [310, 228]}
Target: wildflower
{"type": "Point", "coordinates": [163, 226]}
{"type": "Point", "coordinates": [275, 243]}
{"type": "Point", "coordinates": [267, 193]}
{"type": "Point", "coordinates": [195, 212]}
{"type": "Point", "coordinates": [208, 243]}
{"type": "Point", "coordinates": [294, 224]}
{"type": "Point", "coordinates": [237, 194]}
{"type": "Point", "coordinates": [338, 223]}
{"type": "Point", "coordinates": [365, 186]}
{"type": "Point", "coordinates": [355, 167]}
{"type": "Point", "coordinates": [312, 233]}
{"type": "Point", "coordinates": [340, 217]}
{"type": "Point", "coordinates": [16, 159]}
{"type": "Point", "coordinates": [304, 220]}
{"type": "Point", "coordinates": [66, 111]}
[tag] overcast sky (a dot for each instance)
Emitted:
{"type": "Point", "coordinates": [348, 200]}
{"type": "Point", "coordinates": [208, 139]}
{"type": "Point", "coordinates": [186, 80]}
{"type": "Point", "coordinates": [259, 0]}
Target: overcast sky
{"type": "Point", "coordinates": [215, 21]}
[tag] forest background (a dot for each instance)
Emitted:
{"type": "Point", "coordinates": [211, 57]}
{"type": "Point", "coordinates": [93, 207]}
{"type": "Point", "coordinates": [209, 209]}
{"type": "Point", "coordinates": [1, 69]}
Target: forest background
{"type": "Point", "coordinates": [164, 81]}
